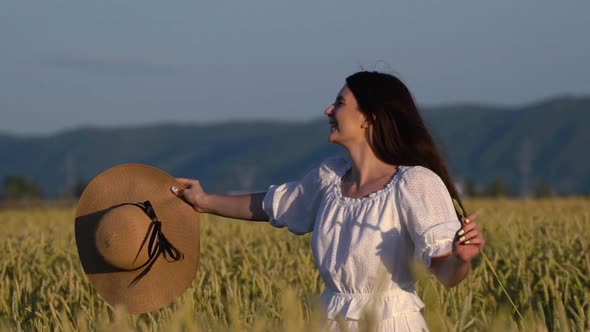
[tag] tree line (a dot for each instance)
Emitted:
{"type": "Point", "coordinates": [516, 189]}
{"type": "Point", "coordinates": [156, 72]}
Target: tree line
{"type": "Point", "coordinates": [499, 188]}
{"type": "Point", "coordinates": [18, 187]}
{"type": "Point", "coordinates": [21, 187]}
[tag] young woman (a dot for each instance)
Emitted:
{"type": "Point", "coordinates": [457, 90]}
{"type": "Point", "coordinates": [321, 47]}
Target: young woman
{"type": "Point", "coordinates": [371, 213]}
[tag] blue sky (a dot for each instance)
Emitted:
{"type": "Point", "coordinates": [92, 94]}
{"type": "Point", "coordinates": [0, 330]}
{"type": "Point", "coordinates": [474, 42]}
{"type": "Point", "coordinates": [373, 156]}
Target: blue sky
{"type": "Point", "coordinates": [66, 63]}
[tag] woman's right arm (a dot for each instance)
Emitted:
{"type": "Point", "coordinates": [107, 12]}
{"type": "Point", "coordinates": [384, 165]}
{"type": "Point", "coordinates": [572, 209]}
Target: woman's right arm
{"type": "Point", "coordinates": [246, 207]}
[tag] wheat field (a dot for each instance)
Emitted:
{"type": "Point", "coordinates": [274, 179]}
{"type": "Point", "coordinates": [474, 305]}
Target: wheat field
{"type": "Point", "coordinates": [258, 278]}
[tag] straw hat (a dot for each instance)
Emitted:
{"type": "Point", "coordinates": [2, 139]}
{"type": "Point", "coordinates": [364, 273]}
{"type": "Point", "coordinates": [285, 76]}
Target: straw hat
{"type": "Point", "coordinates": [137, 241]}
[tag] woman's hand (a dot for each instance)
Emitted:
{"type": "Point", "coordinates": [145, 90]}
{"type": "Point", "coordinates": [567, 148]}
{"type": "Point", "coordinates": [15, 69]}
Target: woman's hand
{"type": "Point", "coordinates": [469, 241]}
{"type": "Point", "coordinates": [193, 193]}
{"type": "Point", "coordinates": [246, 207]}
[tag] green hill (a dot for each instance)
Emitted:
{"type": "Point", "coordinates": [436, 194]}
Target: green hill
{"type": "Point", "coordinates": [525, 146]}
{"type": "Point", "coordinates": [545, 142]}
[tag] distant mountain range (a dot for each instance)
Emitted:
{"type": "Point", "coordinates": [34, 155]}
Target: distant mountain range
{"type": "Point", "coordinates": [542, 143]}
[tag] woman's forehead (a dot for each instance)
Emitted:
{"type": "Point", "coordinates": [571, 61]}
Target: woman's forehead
{"type": "Point", "coordinates": [345, 92]}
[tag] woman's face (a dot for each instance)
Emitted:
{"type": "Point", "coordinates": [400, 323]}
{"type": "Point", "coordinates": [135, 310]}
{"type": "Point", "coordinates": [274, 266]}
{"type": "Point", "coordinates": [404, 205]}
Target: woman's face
{"type": "Point", "coordinates": [348, 124]}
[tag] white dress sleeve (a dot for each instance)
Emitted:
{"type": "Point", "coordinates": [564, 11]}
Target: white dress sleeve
{"type": "Point", "coordinates": [294, 204]}
{"type": "Point", "coordinates": [427, 211]}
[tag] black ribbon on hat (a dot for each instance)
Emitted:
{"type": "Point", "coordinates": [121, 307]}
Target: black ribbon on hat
{"type": "Point", "coordinates": [158, 244]}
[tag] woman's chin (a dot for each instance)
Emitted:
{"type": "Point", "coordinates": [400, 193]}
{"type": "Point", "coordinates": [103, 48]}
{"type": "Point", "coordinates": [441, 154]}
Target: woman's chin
{"type": "Point", "coordinates": [333, 138]}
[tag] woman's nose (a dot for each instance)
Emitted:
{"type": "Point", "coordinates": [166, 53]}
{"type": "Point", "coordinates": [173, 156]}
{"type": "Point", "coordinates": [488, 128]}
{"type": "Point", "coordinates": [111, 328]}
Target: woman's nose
{"type": "Point", "coordinates": [329, 110]}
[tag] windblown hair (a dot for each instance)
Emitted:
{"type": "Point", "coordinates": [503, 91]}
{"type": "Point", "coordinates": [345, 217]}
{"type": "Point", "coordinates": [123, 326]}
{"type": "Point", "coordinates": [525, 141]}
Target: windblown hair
{"type": "Point", "coordinates": [399, 135]}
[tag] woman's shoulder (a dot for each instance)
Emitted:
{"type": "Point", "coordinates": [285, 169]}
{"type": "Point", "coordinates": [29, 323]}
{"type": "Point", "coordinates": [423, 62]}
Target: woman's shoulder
{"type": "Point", "coordinates": [418, 177]}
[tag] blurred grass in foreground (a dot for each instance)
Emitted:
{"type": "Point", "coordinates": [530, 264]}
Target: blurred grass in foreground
{"type": "Point", "coordinates": [255, 277]}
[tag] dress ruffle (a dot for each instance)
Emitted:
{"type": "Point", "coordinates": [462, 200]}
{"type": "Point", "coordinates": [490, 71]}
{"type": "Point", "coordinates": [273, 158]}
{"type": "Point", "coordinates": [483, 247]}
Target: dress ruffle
{"type": "Point", "coordinates": [436, 241]}
{"type": "Point", "coordinates": [354, 306]}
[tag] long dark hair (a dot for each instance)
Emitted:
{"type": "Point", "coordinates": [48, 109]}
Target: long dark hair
{"type": "Point", "coordinates": [399, 135]}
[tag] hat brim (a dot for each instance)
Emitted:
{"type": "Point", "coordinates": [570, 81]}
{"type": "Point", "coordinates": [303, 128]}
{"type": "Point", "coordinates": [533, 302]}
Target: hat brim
{"type": "Point", "coordinates": [165, 281]}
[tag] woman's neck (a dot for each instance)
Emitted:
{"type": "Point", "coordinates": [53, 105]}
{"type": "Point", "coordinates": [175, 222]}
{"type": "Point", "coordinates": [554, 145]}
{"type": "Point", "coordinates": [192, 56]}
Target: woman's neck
{"type": "Point", "coordinates": [366, 167]}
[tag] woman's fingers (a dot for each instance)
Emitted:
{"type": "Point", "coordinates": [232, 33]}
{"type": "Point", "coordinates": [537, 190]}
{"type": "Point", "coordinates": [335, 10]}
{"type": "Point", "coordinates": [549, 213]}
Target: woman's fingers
{"type": "Point", "coordinates": [468, 240]}
{"type": "Point", "coordinates": [190, 191]}
{"type": "Point", "coordinates": [185, 181]}
{"type": "Point", "coordinates": [468, 235]}
{"type": "Point", "coordinates": [185, 184]}
{"type": "Point", "coordinates": [474, 237]}
{"type": "Point", "coordinates": [177, 191]}
{"type": "Point", "coordinates": [474, 241]}
{"type": "Point", "coordinates": [465, 229]}
{"type": "Point", "coordinates": [469, 219]}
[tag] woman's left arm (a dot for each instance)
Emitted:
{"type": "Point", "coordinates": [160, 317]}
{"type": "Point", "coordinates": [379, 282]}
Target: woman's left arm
{"type": "Point", "coordinates": [452, 268]}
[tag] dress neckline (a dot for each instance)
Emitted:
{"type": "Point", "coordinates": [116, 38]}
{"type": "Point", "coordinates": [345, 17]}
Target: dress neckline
{"type": "Point", "coordinates": [346, 168]}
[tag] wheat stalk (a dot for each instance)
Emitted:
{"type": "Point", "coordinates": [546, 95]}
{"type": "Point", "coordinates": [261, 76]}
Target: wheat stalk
{"type": "Point", "coordinates": [462, 214]}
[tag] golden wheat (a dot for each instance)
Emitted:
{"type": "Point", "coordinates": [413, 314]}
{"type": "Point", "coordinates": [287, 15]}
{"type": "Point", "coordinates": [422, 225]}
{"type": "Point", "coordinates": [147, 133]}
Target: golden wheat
{"type": "Point", "coordinates": [255, 277]}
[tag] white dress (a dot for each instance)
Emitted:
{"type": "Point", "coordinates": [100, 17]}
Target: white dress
{"type": "Point", "coordinates": [363, 246]}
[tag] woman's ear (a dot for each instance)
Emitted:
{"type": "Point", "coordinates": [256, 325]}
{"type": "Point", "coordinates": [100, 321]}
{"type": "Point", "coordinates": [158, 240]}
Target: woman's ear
{"type": "Point", "coordinates": [366, 123]}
